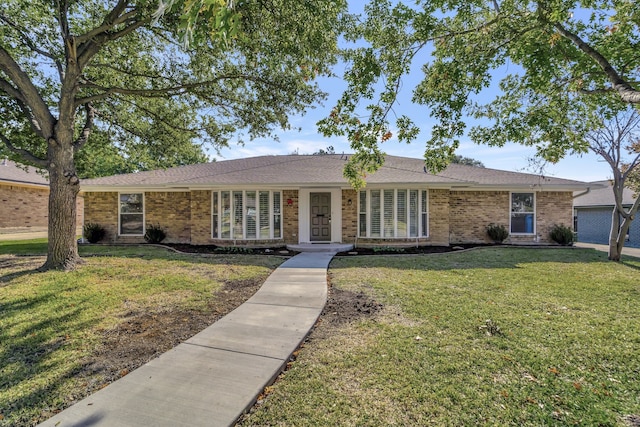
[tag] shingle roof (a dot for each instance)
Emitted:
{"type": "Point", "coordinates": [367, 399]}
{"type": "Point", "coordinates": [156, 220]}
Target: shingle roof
{"type": "Point", "coordinates": [602, 196]}
{"type": "Point", "coordinates": [325, 170]}
{"type": "Point", "coordinates": [11, 172]}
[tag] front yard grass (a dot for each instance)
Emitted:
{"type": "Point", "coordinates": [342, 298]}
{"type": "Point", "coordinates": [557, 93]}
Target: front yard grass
{"type": "Point", "coordinates": [53, 323]}
{"type": "Point", "coordinates": [485, 337]}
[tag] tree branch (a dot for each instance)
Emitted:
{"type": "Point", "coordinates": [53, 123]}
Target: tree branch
{"type": "Point", "coordinates": [625, 90]}
{"type": "Point", "coordinates": [27, 41]}
{"type": "Point", "coordinates": [158, 93]}
{"type": "Point", "coordinates": [106, 26]}
{"type": "Point", "coordinates": [27, 155]}
{"type": "Point", "coordinates": [88, 127]}
{"type": "Point", "coordinates": [28, 93]}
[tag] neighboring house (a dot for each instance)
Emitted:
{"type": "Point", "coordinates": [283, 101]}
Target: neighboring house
{"type": "Point", "coordinates": [593, 215]}
{"type": "Point", "coordinates": [299, 199]}
{"type": "Point", "coordinates": [24, 198]}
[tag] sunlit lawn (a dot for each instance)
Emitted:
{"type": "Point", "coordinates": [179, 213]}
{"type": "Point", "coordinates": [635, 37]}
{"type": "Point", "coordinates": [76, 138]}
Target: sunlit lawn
{"type": "Point", "coordinates": [50, 322]}
{"type": "Point", "coordinates": [564, 347]}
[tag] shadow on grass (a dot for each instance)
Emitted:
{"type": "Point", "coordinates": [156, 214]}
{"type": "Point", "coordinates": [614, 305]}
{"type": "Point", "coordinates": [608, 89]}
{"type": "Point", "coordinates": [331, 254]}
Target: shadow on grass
{"type": "Point", "coordinates": [21, 266]}
{"type": "Point", "coordinates": [30, 349]}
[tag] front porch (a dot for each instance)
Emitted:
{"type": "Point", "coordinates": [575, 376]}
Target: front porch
{"type": "Point", "coordinates": [321, 247]}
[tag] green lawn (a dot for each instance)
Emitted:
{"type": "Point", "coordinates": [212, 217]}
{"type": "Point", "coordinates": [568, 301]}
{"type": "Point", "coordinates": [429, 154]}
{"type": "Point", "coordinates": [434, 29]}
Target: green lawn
{"type": "Point", "coordinates": [485, 337]}
{"type": "Point", "coordinates": [51, 322]}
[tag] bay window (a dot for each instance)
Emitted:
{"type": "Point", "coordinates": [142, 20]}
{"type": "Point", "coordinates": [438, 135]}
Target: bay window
{"type": "Point", "coordinates": [246, 215]}
{"type": "Point", "coordinates": [392, 213]}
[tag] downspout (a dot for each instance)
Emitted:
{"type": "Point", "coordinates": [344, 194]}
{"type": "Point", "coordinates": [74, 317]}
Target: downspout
{"type": "Point", "coordinates": [583, 193]}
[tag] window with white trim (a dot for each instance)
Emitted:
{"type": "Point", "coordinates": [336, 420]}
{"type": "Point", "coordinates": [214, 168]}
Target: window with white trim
{"type": "Point", "coordinates": [393, 213]}
{"type": "Point", "coordinates": [131, 214]}
{"type": "Point", "coordinates": [523, 213]}
{"type": "Point", "coordinates": [246, 215]}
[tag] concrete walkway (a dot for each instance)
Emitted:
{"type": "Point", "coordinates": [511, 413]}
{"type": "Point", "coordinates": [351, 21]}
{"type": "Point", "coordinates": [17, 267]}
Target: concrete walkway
{"type": "Point", "coordinates": [215, 376]}
{"type": "Point", "coordinates": [634, 252]}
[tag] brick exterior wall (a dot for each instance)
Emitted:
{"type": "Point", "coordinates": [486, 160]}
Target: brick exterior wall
{"type": "Point", "coordinates": [349, 216]}
{"type": "Point", "coordinates": [201, 218]}
{"type": "Point", "coordinates": [290, 216]}
{"type": "Point", "coordinates": [553, 208]}
{"type": "Point", "coordinates": [23, 207]}
{"type": "Point", "coordinates": [472, 211]}
{"type": "Point", "coordinates": [28, 207]}
{"type": "Point", "coordinates": [455, 217]}
{"type": "Point", "coordinates": [439, 212]}
{"type": "Point", "coordinates": [102, 209]}
{"type": "Point", "coordinates": [171, 211]}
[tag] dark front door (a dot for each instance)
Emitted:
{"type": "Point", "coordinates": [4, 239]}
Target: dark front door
{"type": "Point", "coordinates": [321, 217]}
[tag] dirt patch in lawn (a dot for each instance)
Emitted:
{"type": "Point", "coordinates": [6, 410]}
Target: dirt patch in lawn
{"type": "Point", "coordinates": [143, 335]}
{"type": "Point", "coordinates": [347, 306]}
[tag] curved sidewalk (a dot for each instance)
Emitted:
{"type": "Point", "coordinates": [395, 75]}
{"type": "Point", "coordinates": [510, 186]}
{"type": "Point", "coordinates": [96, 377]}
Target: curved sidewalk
{"type": "Point", "coordinates": [214, 377]}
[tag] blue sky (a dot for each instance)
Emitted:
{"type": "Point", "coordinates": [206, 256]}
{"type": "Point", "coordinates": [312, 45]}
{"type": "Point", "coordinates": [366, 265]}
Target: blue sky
{"type": "Point", "coordinates": [513, 157]}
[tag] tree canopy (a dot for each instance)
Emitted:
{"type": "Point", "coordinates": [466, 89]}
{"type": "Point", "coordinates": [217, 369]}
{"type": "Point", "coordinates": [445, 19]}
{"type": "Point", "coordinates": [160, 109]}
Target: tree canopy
{"type": "Point", "coordinates": [539, 73]}
{"type": "Point", "coordinates": [121, 70]}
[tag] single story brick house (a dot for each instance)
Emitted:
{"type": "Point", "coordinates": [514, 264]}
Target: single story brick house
{"type": "Point", "coordinates": [593, 214]}
{"type": "Point", "coordinates": [304, 199]}
{"type": "Point", "coordinates": [24, 198]}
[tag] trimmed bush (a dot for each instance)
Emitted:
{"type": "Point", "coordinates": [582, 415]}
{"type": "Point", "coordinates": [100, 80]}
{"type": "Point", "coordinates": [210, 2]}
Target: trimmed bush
{"type": "Point", "coordinates": [562, 235]}
{"type": "Point", "coordinates": [93, 232]}
{"type": "Point", "coordinates": [154, 234]}
{"type": "Point", "coordinates": [497, 233]}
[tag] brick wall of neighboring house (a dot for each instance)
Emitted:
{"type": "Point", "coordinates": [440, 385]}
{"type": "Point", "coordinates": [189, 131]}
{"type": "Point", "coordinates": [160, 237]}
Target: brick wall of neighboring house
{"type": "Point", "coordinates": [28, 207]}
{"type": "Point", "coordinates": [290, 216]}
{"type": "Point", "coordinates": [171, 210]}
{"type": "Point", "coordinates": [349, 216]}
{"type": "Point", "coordinates": [472, 211]}
{"type": "Point", "coordinates": [23, 206]}
{"type": "Point", "coordinates": [201, 218]}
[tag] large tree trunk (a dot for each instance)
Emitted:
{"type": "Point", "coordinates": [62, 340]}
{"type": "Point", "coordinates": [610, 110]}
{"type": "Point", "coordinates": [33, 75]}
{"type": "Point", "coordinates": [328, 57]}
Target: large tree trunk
{"type": "Point", "coordinates": [64, 186]}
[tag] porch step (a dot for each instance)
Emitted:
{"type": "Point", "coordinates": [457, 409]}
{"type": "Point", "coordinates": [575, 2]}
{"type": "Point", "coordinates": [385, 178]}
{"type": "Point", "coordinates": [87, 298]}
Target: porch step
{"type": "Point", "coordinates": [321, 247]}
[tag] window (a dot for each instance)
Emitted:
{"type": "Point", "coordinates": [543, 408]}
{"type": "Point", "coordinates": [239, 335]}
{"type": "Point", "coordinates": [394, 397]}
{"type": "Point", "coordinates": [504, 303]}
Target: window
{"type": "Point", "coordinates": [214, 215]}
{"type": "Point", "coordinates": [246, 215]}
{"type": "Point", "coordinates": [251, 215]}
{"type": "Point", "coordinates": [265, 229]}
{"type": "Point", "coordinates": [374, 228]}
{"type": "Point", "coordinates": [399, 213]}
{"type": "Point", "coordinates": [225, 208]}
{"type": "Point", "coordinates": [523, 213]}
{"type": "Point", "coordinates": [423, 214]}
{"type": "Point", "coordinates": [132, 214]}
{"type": "Point", "coordinates": [362, 214]}
{"type": "Point", "coordinates": [277, 216]}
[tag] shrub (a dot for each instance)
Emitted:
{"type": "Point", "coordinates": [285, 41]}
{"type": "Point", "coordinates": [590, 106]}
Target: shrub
{"type": "Point", "coordinates": [93, 232]}
{"type": "Point", "coordinates": [497, 233]}
{"type": "Point", "coordinates": [561, 234]}
{"type": "Point", "coordinates": [154, 234]}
